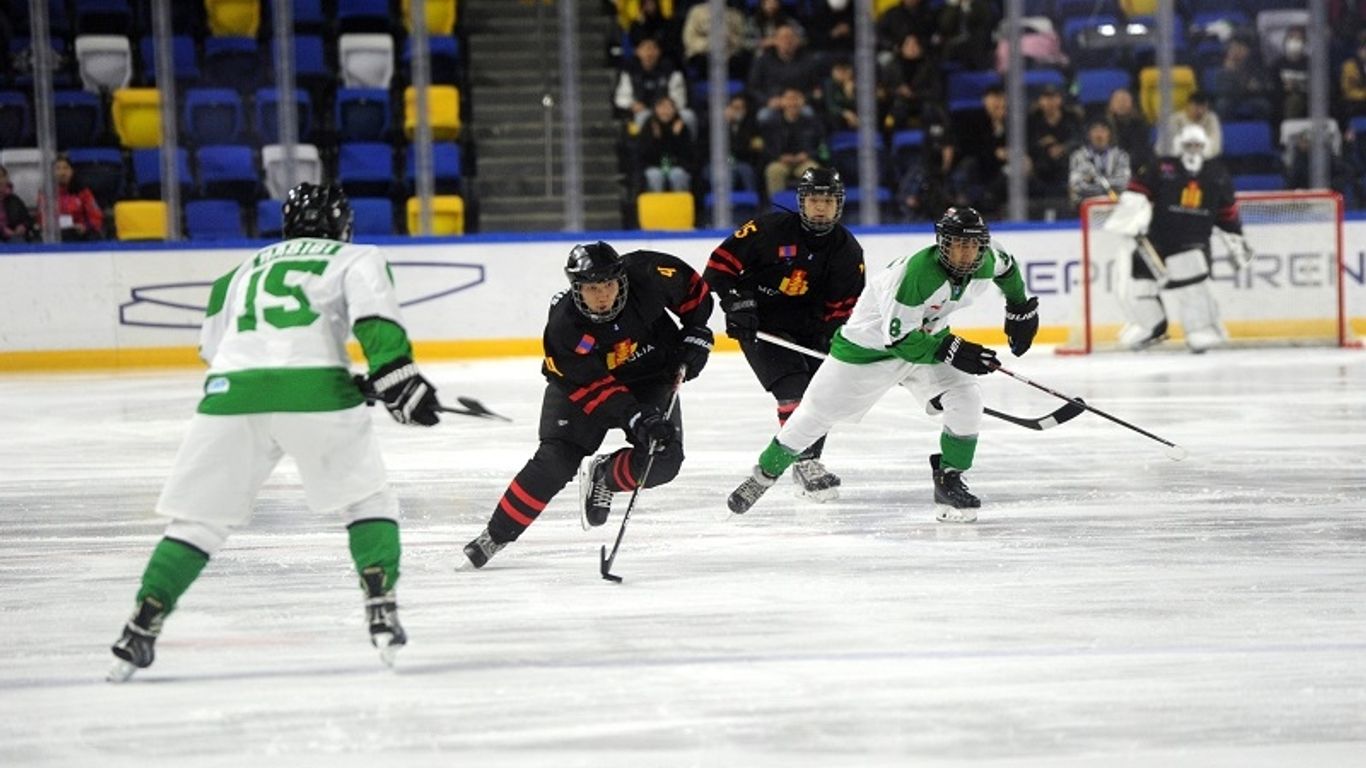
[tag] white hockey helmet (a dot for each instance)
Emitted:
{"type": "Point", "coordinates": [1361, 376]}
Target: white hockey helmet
{"type": "Point", "coordinates": [1191, 144]}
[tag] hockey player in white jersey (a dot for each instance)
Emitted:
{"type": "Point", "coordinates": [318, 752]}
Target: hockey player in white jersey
{"type": "Point", "coordinates": [278, 383]}
{"type": "Point", "coordinates": [898, 334]}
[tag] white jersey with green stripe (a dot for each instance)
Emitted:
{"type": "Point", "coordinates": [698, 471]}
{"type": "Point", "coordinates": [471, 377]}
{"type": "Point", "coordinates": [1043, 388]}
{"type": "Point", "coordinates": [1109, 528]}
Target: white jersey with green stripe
{"type": "Point", "coordinates": [276, 327]}
{"type": "Point", "coordinates": [904, 308]}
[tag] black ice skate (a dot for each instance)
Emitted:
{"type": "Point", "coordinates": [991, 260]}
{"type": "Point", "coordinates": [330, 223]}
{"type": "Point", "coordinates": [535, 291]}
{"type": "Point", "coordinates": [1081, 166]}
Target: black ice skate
{"type": "Point", "coordinates": [954, 504]}
{"type": "Point", "coordinates": [595, 498]}
{"type": "Point", "coordinates": [748, 492]}
{"type": "Point", "coordinates": [816, 482]}
{"type": "Point", "coordinates": [136, 647]}
{"type": "Point", "coordinates": [478, 552]}
{"type": "Point", "coordinates": [381, 613]}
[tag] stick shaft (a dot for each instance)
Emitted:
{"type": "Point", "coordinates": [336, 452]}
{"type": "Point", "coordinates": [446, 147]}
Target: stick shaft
{"type": "Point", "coordinates": [1081, 404]}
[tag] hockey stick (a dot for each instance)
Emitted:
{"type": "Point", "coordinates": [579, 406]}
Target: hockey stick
{"type": "Point", "coordinates": [605, 564]}
{"type": "Point", "coordinates": [1173, 451]}
{"type": "Point", "coordinates": [472, 408]}
{"type": "Point", "coordinates": [1047, 421]}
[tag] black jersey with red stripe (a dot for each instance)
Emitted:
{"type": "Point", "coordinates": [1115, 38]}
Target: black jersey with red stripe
{"type": "Point", "coordinates": [1186, 206]}
{"type": "Point", "coordinates": [805, 284]}
{"type": "Point", "coordinates": [594, 364]}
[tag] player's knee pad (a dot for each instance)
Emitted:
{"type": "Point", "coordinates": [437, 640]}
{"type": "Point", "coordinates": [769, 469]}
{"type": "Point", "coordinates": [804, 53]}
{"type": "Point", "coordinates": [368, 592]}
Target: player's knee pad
{"type": "Point", "coordinates": [205, 537]}
{"type": "Point", "coordinates": [1187, 267]}
{"type": "Point", "coordinates": [377, 506]}
{"type": "Point", "coordinates": [556, 460]}
{"type": "Point", "coordinates": [1142, 309]}
{"type": "Point", "coordinates": [962, 408]}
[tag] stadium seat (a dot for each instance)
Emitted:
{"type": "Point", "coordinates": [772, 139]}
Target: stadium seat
{"type": "Point", "coordinates": [212, 116]}
{"type": "Point", "coordinates": [448, 215]}
{"type": "Point", "coordinates": [445, 167]}
{"type": "Point", "coordinates": [213, 220]}
{"type": "Point", "coordinates": [374, 216]}
{"type": "Point", "coordinates": [666, 210]}
{"type": "Point", "coordinates": [308, 166]}
{"type": "Point", "coordinates": [363, 114]}
{"type": "Point", "coordinates": [147, 172]}
{"type": "Point", "coordinates": [963, 90]}
{"type": "Point", "coordinates": [1291, 129]}
{"type": "Point", "coordinates": [1094, 86]}
{"type": "Point", "coordinates": [136, 116]}
{"type": "Point", "coordinates": [1183, 85]}
{"type": "Point", "coordinates": [266, 120]}
{"type": "Point", "coordinates": [105, 62]}
{"type": "Point", "coordinates": [1089, 40]}
{"type": "Point", "coordinates": [441, 16]}
{"type": "Point", "coordinates": [366, 60]}
{"type": "Point", "coordinates": [227, 170]}
{"type": "Point", "coordinates": [1258, 182]}
{"type": "Point", "coordinates": [363, 16]}
{"type": "Point", "coordinates": [1248, 148]}
{"type": "Point", "coordinates": [103, 17]}
{"type": "Point", "coordinates": [78, 117]}
{"type": "Point", "coordinates": [234, 62]}
{"type": "Point", "coordinates": [853, 199]}
{"type": "Point", "coordinates": [906, 148]}
{"type": "Point", "coordinates": [16, 119]}
{"type": "Point", "coordinates": [101, 169]}
{"type": "Point", "coordinates": [1036, 80]}
{"type": "Point", "coordinates": [744, 204]}
{"type": "Point", "coordinates": [1132, 8]}
{"type": "Point", "coordinates": [308, 16]}
{"type": "Point", "coordinates": [140, 220]}
{"type": "Point", "coordinates": [783, 200]}
{"type": "Point", "coordinates": [1066, 9]}
{"type": "Point", "coordinates": [444, 55]}
{"type": "Point", "coordinates": [270, 219]}
{"type": "Point", "coordinates": [844, 148]}
{"type": "Point", "coordinates": [365, 168]}
{"type": "Point", "coordinates": [21, 59]}
{"type": "Point", "coordinates": [25, 166]}
{"type": "Point", "coordinates": [443, 111]}
{"type": "Point", "coordinates": [310, 67]}
{"type": "Point", "coordinates": [233, 18]}
{"type": "Point", "coordinates": [182, 54]}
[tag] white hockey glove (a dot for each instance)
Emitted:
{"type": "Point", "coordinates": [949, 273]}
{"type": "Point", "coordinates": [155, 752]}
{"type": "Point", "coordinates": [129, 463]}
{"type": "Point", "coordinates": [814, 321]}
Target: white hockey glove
{"type": "Point", "coordinates": [1238, 248]}
{"type": "Point", "coordinates": [1131, 215]}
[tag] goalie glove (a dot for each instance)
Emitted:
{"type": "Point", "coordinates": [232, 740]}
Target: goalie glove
{"type": "Point", "coordinates": [1238, 248]}
{"type": "Point", "coordinates": [1131, 215]}
{"type": "Point", "coordinates": [408, 396]}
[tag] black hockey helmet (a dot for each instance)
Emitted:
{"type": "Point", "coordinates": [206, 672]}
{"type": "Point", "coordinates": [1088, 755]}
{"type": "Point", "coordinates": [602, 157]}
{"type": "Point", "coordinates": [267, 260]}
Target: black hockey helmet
{"type": "Point", "coordinates": [317, 210]}
{"type": "Point", "coordinates": [820, 181]}
{"type": "Point", "coordinates": [957, 224]}
{"type": "Point", "coordinates": [596, 263]}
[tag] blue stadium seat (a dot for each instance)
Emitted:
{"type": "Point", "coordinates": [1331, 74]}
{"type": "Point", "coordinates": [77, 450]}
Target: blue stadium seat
{"type": "Point", "coordinates": [1036, 79]}
{"type": "Point", "coordinates": [363, 114]}
{"type": "Point", "coordinates": [212, 116]}
{"type": "Point", "coordinates": [1094, 86]}
{"type": "Point", "coordinates": [1258, 182]}
{"type": "Point", "coordinates": [58, 20]}
{"type": "Point", "coordinates": [78, 118]}
{"type": "Point", "coordinates": [103, 17]}
{"type": "Point", "coordinates": [267, 115]}
{"type": "Point", "coordinates": [227, 170]}
{"type": "Point", "coordinates": [1249, 149]}
{"type": "Point", "coordinates": [853, 199]}
{"type": "Point", "coordinates": [906, 148]}
{"type": "Point", "coordinates": [213, 220]}
{"type": "Point", "coordinates": [844, 147]}
{"type": "Point", "coordinates": [374, 215]}
{"type": "Point", "coordinates": [963, 90]}
{"type": "Point", "coordinates": [310, 65]}
{"type": "Point", "coordinates": [16, 120]}
{"type": "Point", "coordinates": [147, 172]}
{"type": "Point", "coordinates": [269, 219]}
{"type": "Point", "coordinates": [21, 58]}
{"type": "Point", "coordinates": [101, 169]}
{"type": "Point", "coordinates": [363, 16]}
{"type": "Point", "coordinates": [445, 59]}
{"type": "Point", "coordinates": [308, 16]}
{"type": "Point", "coordinates": [1067, 9]}
{"type": "Point", "coordinates": [784, 200]}
{"type": "Point", "coordinates": [446, 167]}
{"type": "Point", "coordinates": [234, 62]}
{"type": "Point", "coordinates": [366, 168]}
{"type": "Point", "coordinates": [744, 204]}
{"type": "Point", "coordinates": [182, 54]}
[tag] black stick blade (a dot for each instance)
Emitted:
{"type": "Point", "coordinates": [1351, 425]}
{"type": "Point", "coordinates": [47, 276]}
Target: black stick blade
{"type": "Point", "coordinates": [605, 566]}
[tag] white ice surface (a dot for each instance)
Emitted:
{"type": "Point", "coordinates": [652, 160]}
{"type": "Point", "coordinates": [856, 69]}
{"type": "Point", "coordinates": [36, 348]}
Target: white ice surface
{"type": "Point", "coordinates": [1110, 608]}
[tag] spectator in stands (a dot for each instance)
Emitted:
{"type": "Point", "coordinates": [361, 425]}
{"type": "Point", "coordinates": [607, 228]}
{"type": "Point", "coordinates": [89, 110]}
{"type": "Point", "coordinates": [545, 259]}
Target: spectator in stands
{"type": "Point", "coordinates": [1242, 89]}
{"type": "Point", "coordinates": [697, 32]}
{"type": "Point", "coordinates": [746, 145]}
{"type": "Point", "coordinates": [650, 22]}
{"type": "Point", "coordinates": [1052, 132]}
{"type": "Point", "coordinates": [912, 83]}
{"type": "Point", "coordinates": [1297, 172]}
{"type": "Point", "coordinates": [667, 149]}
{"type": "Point", "coordinates": [966, 28]}
{"type": "Point", "coordinates": [1131, 130]}
{"type": "Point", "coordinates": [978, 178]}
{"type": "Point", "coordinates": [1353, 80]}
{"type": "Point", "coordinates": [761, 28]}
{"type": "Point", "coordinates": [649, 76]}
{"type": "Point", "coordinates": [78, 215]}
{"type": "Point", "coordinates": [16, 224]}
{"type": "Point", "coordinates": [1196, 112]}
{"type": "Point", "coordinates": [792, 141]}
{"type": "Point", "coordinates": [785, 65]}
{"type": "Point", "coordinates": [840, 97]}
{"type": "Point", "coordinates": [1290, 76]}
{"type": "Point", "coordinates": [908, 17]}
{"type": "Point", "coordinates": [830, 27]}
{"type": "Point", "coordinates": [1098, 168]}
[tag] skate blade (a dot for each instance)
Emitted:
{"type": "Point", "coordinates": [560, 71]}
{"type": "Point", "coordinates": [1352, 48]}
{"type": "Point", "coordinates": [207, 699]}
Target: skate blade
{"type": "Point", "coordinates": [723, 514]}
{"type": "Point", "coordinates": [584, 485]}
{"type": "Point", "coordinates": [120, 672]}
{"type": "Point", "coordinates": [822, 495]}
{"type": "Point", "coordinates": [388, 653]}
{"type": "Point", "coordinates": [947, 514]}
{"type": "Point", "coordinates": [463, 563]}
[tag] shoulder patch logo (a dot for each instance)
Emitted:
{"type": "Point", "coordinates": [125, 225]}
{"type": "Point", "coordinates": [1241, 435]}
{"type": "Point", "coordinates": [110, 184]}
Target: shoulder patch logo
{"type": "Point", "coordinates": [787, 252]}
{"type": "Point", "coordinates": [585, 345]}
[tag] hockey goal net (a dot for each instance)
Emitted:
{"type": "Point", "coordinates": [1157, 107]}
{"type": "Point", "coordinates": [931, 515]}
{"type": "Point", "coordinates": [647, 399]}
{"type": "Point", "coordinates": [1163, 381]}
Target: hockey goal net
{"type": "Point", "coordinates": [1299, 290]}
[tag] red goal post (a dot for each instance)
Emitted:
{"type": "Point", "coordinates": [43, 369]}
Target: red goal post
{"type": "Point", "coordinates": [1298, 290]}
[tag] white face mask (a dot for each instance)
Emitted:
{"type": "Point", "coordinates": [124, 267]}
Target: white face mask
{"type": "Point", "coordinates": [1193, 157]}
{"type": "Point", "coordinates": [1294, 46]}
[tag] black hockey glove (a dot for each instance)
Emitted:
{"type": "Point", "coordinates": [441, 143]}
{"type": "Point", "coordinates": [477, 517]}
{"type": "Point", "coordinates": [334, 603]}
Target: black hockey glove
{"type": "Point", "coordinates": [1022, 322]}
{"type": "Point", "coordinates": [693, 350]}
{"type": "Point", "coordinates": [648, 425]}
{"type": "Point", "coordinates": [742, 315]}
{"type": "Point", "coordinates": [410, 398]}
{"type": "Point", "coordinates": [967, 356]}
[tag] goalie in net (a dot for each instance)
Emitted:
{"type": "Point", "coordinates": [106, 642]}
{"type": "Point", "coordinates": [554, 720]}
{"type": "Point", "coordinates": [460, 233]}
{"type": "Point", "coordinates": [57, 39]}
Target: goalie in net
{"type": "Point", "coordinates": [1170, 209]}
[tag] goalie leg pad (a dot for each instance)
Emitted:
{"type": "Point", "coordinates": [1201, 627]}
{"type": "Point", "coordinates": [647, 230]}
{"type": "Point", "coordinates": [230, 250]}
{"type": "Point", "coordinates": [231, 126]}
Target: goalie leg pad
{"type": "Point", "coordinates": [1187, 267]}
{"type": "Point", "coordinates": [1146, 320]}
{"type": "Point", "coordinates": [1199, 316]}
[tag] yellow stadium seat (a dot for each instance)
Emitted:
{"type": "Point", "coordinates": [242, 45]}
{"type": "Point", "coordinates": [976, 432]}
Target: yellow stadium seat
{"type": "Point", "coordinates": [136, 113]}
{"type": "Point", "coordinates": [443, 109]}
{"type": "Point", "coordinates": [140, 219]}
{"type": "Point", "coordinates": [233, 18]}
{"type": "Point", "coordinates": [441, 17]}
{"type": "Point", "coordinates": [628, 10]}
{"type": "Point", "coordinates": [1183, 85]}
{"type": "Point", "coordinates": [448, 215]}
{"type": "Point", "coordinates": [1134, 8]}
{"type": "Point", "coordinates": [666, 210]}
{"type": "Point", "coordinates": [881, 6]}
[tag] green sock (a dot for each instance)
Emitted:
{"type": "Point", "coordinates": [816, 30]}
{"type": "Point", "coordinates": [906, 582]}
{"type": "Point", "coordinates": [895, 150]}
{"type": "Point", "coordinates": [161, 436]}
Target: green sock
{"type": "Point", "coordinates": [375, 543]}
{"type": "Point", "coordinates": [958, 451]}
{"type": "Point", "coordinates": [173, 567]}
{"type": "Point", "coordinates": [776, 458]}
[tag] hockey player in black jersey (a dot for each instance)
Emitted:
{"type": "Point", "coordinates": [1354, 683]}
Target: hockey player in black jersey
{"type": "Point", "coordinates": [1177, 201]}
{"type": "Point", "coordinates": [612, 349]}
{"type": "Point", "coordinates": [794, 275]}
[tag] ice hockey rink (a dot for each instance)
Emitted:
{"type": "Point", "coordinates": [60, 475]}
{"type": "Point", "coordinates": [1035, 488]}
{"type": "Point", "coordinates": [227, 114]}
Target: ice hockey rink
{"type": "Point", "coordinates": [1110, 608]}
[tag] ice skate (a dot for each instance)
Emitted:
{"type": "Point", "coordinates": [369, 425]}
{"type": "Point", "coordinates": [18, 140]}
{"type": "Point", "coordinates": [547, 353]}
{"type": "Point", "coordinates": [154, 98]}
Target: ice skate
{"type": "Point", "coordinates": [815, 481]}
{"type": "Point", "coordinates": [1136, 337]}
{"type": "Point", "coordinates": [953, 502]}
{"type": "Point", "coordinates": [136, 647]}
{"type": "Point", "coordinates": [381, 613]}
{"type": "Point", "coordinates": [748, 492]}
{"type": "Point", "coordinates": [595, 498]}
{"type": "Point", "coordinates": [479, 551]}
